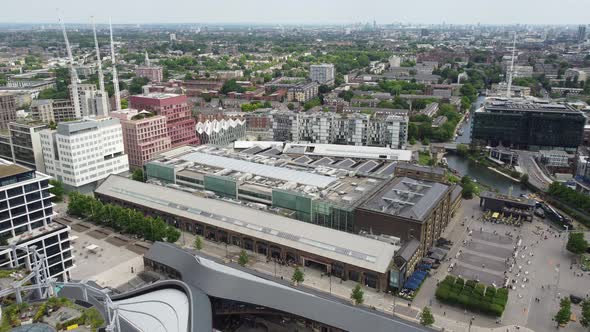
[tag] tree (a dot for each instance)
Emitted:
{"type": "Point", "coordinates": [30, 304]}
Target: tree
{"type": "Point", "coordinates": [426, 317]}
{"type": "Point", "coordinates": [124, 103]}
{"type": "Point", "coordinates": [198, 243]}
{"type": "Point", "coordinates": [357, 294]}
{"type": "Point", "coordinates": [243, 259]}
{"type": "Point", "coordinates": [562, 317]}
{"type": "Point", "coordinates": [469, 91]}
{"type": "Point", "coordinates": [469, 188]}
{"type": "Point", "coordinates": [57, 190]}
{"type": "Point", "coordinates": [231, 86]}
{"type": "Point", "coordinates": [346, 95]}
{"type": "Point", "coordinates": [137, 175]}
{"type": "Point", "coordinates": [576, 244]}
{"type": "Point", "coordinates": [312, 103]}
{"type": "Point", "coordinates": [298, 276]}
{"type": "Point", "coordinates": [137, 84]}
{"type": "Point", "coordinates": [290, 106]}
{"type": "Point", "coordinates": [585, 319]}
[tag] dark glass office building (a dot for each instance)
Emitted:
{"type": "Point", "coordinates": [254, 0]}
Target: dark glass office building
{"type": "Point", "coordinates": [528, 125]}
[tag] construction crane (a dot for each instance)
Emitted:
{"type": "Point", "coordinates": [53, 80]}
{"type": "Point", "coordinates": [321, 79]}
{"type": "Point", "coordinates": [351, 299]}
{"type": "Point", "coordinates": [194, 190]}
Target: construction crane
{"type": "Point", "coordinates": [115, 78]}
{"type": "Point", "coordinates": [509, 86]}
{"type": "Point", "coordinates": [98, 60]}
{"type": "Point", "coordinates": [73, 73]}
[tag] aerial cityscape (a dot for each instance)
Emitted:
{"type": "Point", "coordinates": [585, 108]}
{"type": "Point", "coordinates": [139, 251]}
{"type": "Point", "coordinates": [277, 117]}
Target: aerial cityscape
{"type": "Point", "coordinates": [310, 166]}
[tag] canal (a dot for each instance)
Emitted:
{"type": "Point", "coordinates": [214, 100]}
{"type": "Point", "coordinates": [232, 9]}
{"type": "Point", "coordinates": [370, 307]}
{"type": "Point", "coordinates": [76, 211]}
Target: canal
{"type": "Point", "coordinates": [485, 176]}
{"type": "Point", "coordinates": [476, 171]}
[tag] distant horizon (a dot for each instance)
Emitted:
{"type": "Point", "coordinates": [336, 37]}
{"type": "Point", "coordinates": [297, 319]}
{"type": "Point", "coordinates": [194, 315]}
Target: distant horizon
{"type": "Point", "coordinates": [300, 12]}
{"type": "Point", "coordinates": [293, 24]}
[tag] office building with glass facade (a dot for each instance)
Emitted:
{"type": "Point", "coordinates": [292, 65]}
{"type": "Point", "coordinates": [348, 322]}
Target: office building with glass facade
{"type": "Point", "coordinates": [26, 220]}
{"type": "Point", "coordinates": [528, 125]}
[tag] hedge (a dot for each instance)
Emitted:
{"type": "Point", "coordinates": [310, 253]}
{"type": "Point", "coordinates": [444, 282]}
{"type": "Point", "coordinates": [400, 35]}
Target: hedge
{"type": "Point", "coordinates": [472, 295]}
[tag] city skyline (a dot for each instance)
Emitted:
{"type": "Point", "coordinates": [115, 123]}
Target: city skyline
{"type": "Point", "coordinates": [301, 12]}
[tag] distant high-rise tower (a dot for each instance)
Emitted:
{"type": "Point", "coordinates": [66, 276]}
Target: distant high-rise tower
{"type": "Point", "coordinates": [581, 33]}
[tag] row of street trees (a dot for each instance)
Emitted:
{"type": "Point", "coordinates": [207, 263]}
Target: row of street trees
{"type": "Point", "coordinates": [121, 219]}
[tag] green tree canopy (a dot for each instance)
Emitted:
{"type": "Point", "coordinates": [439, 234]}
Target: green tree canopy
{"type": "Point", "coordinates": [576, 243]}
{"type": "Point", "coordinates": [298, 276]}
{"type": "Point", "coordinates": [137, 175]}
{"type": "Point", "coordinates": [243, 258]}
{"type": "Point", "coordinates": [357, 294]}
{"type": "Point", "coordinates": [562, 317]}
{"type": "Point", "coordinates": [585, 319]}
{"type": "Point", "coordinates": [57, 190]}
{"type": "Point", "coordinates": [198, 245]}
{"type": "Point", "coordinates": [426, 317]}
{"type": "Point", "coordinates": [231, 86]}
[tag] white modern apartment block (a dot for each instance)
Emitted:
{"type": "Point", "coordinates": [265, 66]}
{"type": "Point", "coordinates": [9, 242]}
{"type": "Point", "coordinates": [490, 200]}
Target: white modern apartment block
{"type": "Point", "coordinates": [80, 153]}
{"type": "Point", "coordinates": [92, 101]}
{"type": "Point", "coordinates": [221, 133]}
{"type": "Point", "coordinates": [359, 129]}
{"type": "Point", "coordinates": [26, 214]}
{"type": "Point", "coordinates": [323, 74]}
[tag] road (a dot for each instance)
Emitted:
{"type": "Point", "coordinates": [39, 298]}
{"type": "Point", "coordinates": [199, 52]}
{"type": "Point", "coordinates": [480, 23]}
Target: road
{"type": "Point", "coordinates": [529, 166]}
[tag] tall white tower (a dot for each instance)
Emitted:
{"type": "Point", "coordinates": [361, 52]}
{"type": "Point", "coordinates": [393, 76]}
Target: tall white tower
{"type": "Point", "coordinates": [115, 78]}
{"type": "Point", "coordinates": [73, 73]}
{"type": "Point", "coordinates": [509, 86]}
{"type": "Point", "coordinates": [98, 60]}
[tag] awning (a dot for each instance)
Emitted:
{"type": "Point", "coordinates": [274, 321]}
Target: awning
{"type": "Point", "coordinates": [92, 247]}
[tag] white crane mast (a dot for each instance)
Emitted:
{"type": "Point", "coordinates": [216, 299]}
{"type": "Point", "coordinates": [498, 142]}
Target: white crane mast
{"type": "Point", "coordinates": [115, 78]}
{"type": "Point", "coordinates": [509, 86]}
{"type": "Point", "coordinates": [73, 73]}
{"type": "Point", "coordinates": [98, 60]}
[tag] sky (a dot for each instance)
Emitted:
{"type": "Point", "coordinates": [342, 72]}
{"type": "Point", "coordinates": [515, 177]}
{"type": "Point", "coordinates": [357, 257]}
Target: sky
{"type": "Point", "coordinates": [299, 11]}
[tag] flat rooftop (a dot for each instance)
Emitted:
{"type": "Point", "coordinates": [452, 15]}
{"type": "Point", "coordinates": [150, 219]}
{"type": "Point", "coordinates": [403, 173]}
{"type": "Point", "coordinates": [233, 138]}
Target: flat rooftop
{"type": "Point", "coordinates": [159, 95]}
{"type": "Point", "coordinates": [11, 169]}
{"type": "Point", "coordinates": [351, 151]}
{"type": "Point", "coordinates": [340, 246]}
{"type": "Point", "coordinates": [407, 198]}
{"type": "Point", "coordinates": [513, 105]}
{"type": "Point", "coordinates": [244, 166]}
{"type": "Point", "coordinates": [506, 198]}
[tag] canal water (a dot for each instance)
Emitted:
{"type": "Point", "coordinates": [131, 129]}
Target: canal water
{"type": "Point", "coordinates": [478, 172]}
{"type": "Point", "coordinates": [484, 175]}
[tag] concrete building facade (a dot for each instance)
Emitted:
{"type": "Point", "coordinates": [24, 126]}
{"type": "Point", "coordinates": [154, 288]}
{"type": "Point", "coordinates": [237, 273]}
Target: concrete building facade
{"type": "Point", "coordinates": [7, 109]}
{"type": "Point", "coordinates": [338, 128]}
{"type": "Point", "coordinates": [21, 144]}
{"type": "Point", "coordinates": [179, 120]}
{"type": "Point", "coordinates": [144, 135]}
{"type": "Point", "coordinates": [80, 153]}
{"type": "Point", "coordinates": [323, 73]}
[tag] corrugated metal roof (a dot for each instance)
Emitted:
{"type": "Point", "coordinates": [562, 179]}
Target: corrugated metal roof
{"type": "Point", "coordinates": [272, 172]}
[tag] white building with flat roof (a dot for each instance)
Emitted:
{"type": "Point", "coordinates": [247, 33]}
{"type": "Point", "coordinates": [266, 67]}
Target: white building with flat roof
{"type": "Point", "coordinates": [323, 73]}
{"type": "Point", "coordinates": [80, 153]}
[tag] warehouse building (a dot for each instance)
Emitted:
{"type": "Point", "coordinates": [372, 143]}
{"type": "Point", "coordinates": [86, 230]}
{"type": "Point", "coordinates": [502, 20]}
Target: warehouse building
{"type": "Point", "coordinates": [409, 209]}
{"type": "Point", "coordinates": [344, 255]}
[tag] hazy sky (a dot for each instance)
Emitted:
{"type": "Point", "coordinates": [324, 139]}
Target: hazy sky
{"type": "Point", "coordinates": [300, 11]}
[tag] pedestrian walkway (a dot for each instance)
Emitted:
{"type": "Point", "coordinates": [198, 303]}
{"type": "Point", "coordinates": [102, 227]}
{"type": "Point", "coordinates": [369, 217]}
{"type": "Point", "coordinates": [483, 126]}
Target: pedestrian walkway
{"type": "Point", "coordinates": [337, 287]}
